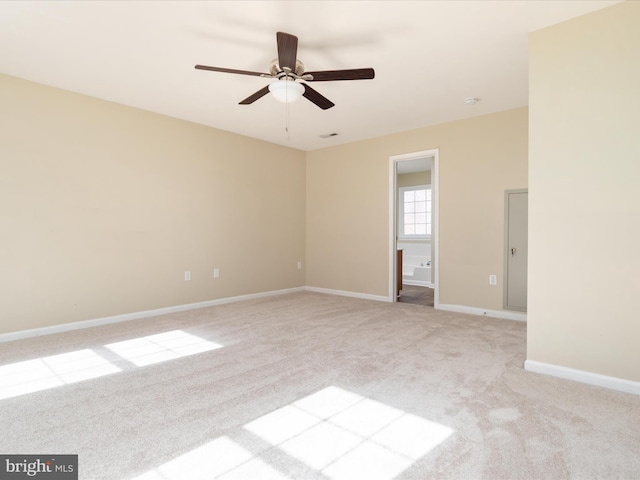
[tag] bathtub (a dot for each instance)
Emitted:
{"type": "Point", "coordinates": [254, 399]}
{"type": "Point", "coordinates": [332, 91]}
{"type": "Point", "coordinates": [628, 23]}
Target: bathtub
{"type": "Point", "coordinates": [417, 274]}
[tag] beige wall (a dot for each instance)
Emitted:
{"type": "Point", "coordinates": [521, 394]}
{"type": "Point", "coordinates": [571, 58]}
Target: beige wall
{"type": "Point", "coordinates": [584, 195]}
{"type": "Point", "coordinates": [348, 206]}
{"type": "Point", "coordinates": [104, 207]}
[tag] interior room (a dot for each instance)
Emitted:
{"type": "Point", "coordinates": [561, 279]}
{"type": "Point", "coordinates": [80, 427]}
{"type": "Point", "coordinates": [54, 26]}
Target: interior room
{"type": "Point", "coordinates": [201, 280]}
{"type": "Point", "coordinates": [414, 231]}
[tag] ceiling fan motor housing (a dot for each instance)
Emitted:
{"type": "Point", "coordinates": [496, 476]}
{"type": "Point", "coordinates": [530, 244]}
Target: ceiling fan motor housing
{"type": "Point", "coordinates": [277, 72]}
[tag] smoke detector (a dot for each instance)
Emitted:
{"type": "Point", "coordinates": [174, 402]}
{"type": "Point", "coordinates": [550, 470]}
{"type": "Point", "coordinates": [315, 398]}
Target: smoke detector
{"type": "Point", "coordinates": [471, 100]}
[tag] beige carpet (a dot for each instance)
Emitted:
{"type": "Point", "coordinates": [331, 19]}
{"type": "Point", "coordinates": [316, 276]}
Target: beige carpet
{"type": "Point", "coordinates": [309, 386]}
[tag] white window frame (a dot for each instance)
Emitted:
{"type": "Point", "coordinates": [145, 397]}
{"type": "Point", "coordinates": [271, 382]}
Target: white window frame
{"type": "Point", "coordinates": [401, 234]}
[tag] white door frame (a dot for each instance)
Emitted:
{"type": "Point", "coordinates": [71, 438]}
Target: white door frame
{"type": "Point", "coordinates": [393, 234]}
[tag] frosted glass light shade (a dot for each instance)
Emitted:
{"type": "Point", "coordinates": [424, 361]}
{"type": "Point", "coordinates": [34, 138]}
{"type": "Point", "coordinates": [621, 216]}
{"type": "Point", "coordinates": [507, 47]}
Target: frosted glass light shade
{"type": "Point", "coordinates": [286, 91]}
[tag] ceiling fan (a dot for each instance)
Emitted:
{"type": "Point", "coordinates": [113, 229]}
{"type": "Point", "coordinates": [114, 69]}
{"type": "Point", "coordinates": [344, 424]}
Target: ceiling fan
{"type": "Point", "coordinates": [291, 76]}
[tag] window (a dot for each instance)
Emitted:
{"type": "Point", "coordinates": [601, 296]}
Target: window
{"type": "Point", "coordinates": [414, 212]}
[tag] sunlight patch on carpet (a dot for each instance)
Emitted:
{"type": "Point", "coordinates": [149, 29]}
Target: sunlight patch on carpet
{"type": "Point", "coordinates": [333, 433]}
{"type": "Point", "coordinates": [346, 436]}
{"type": "Point", "coordinates": [214, 459]}
{"type": "Point", "coordinates": [52, 371]}
{"type": "Point", "coordinates": [161, 347]}
{"type": "Point", "coordinates": [56, 370]}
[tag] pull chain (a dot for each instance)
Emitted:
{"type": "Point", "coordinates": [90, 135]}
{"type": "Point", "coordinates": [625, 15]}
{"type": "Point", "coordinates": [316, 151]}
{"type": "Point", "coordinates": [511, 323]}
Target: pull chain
{"type": "Point", "coordinates": [286, 122]}
{"type": "Point", "coordinates": [286, 125]}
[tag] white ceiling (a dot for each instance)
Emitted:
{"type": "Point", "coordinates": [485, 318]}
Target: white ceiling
{"type": "Point", "coordinates": [428, 57]}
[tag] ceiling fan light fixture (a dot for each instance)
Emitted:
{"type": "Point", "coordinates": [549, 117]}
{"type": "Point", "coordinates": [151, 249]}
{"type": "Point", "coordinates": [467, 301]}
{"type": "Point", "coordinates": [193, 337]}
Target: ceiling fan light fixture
{"type": "Point", "coordinates": [286, 91]}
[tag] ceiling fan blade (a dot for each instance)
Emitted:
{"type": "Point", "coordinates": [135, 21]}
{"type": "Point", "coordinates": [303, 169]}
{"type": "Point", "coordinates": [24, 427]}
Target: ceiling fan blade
{"type": "Point", "coordinates": [231, 70]}
{"type": "Point", "coordinates": [252, 98]}
{"type": "Point", "coordinates": [313, 96]}
{"type": "Point", "coordinates": [352, 74]}
{"type": "Point", "coordinates": [287, 50]}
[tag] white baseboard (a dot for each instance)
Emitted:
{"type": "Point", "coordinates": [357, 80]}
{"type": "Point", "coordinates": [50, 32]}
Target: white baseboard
{"type": "Point", "coordinates": [612, 383]}
{"type": "Point", "coordinates": [66, 327]}
{"type": "Point", "coordinates": [344, 293]}
{"type": "Point", "coordinates": [505, 314]}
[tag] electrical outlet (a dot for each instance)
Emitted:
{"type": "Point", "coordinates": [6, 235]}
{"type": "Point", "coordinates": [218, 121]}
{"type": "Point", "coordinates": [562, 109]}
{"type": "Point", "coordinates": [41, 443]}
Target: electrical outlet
{"type": "Point", "coordinates": [299, 265]}
{"type": "Point", "coordinates": [216, 273]}
{"type": "Point", "coordinates": [187, 276]}
{"type": "Point", "coordinates": [493, 280]}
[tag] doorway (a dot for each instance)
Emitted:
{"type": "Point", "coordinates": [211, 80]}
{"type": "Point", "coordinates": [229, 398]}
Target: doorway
{"type": "Point", "coordinates": [516, 250]}
{"type": "Point", "coordinates": [406, 163]}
